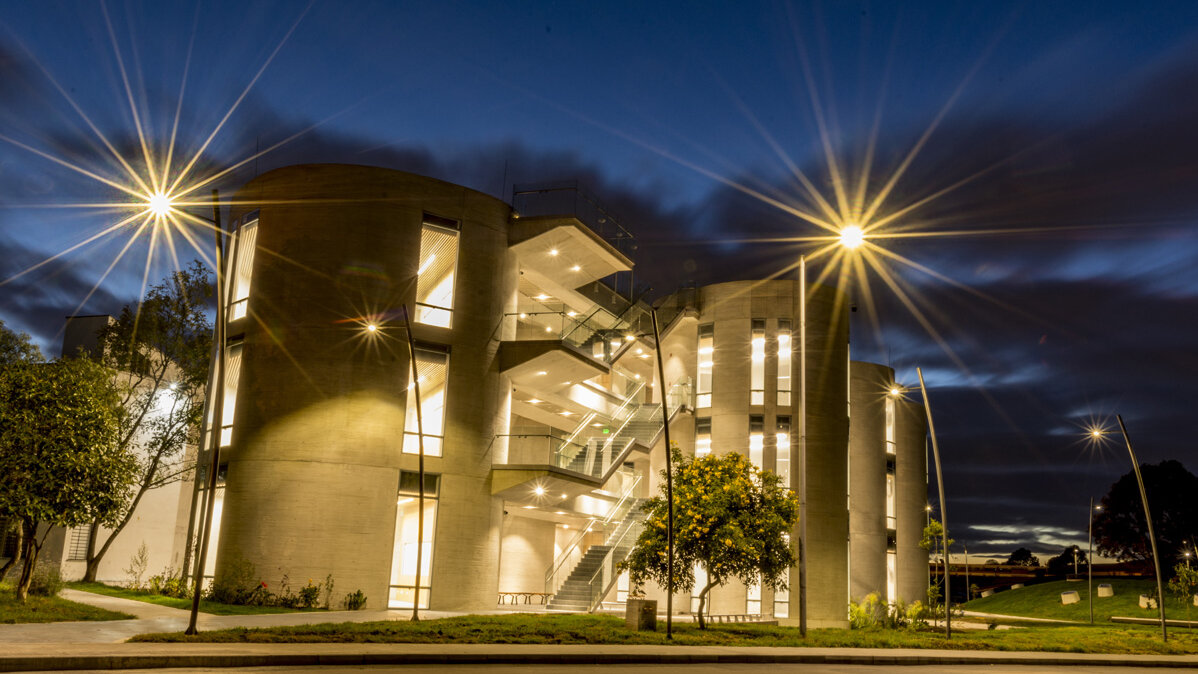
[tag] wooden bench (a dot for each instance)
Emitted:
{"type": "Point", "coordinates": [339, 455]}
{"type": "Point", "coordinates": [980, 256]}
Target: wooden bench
{"type": "Point", "coordinates": [742, 618]}
{"type": "Point", "coordinates": [515, 597]}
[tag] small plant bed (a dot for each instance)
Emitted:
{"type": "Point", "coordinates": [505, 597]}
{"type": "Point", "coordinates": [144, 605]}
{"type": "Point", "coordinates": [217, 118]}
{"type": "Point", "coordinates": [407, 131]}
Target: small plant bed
{"type": "Point", "coordinates": [1044, 601]}
{"type": "Point", "coordinates": [598, 629]}
{"type": "Point", "coordinates": [206, 606]}
{"type": "Point", "coordinates": [39, 609]}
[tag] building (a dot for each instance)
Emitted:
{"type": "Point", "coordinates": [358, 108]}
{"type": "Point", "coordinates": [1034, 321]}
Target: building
{"type": "Point", "coordinates": [540, 405]}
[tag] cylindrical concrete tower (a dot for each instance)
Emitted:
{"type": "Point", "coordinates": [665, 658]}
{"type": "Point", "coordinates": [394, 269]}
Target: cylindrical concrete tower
{"type": "Point", "coordinates": [911, 496]}
{"type": "Point", "coordinates": [868, 454]}
{"type": "Point", "coordinates": [315, 460]}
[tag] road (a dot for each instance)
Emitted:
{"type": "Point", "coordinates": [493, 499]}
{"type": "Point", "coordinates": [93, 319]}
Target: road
{"type": "Point", "coordinates": [660, 669]}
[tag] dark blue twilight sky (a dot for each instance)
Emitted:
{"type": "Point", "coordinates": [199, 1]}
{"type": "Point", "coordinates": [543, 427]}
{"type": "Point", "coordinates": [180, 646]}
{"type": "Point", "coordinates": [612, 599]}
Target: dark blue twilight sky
{"type": "Point", "coordinates": [1061, 148]}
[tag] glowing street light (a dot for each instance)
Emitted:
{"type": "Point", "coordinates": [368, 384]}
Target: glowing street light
{"type": "Point", "coordinates": [160, 204]}
{"type": "Point", "coordinates": [852, 237]}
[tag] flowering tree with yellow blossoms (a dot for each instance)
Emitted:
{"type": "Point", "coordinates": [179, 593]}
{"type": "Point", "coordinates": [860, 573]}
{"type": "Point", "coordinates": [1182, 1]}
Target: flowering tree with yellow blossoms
{"type": "Point", "coordinates": [729, 516]}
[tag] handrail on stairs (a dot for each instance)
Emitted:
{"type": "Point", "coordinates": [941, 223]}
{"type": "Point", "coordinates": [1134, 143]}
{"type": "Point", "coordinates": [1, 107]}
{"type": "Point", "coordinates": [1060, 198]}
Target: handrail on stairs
{"type": "Point", "coordinates": [619, 510]}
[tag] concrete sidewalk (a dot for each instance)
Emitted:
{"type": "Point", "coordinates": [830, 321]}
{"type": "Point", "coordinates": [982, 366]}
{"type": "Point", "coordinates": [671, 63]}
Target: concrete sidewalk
{"type": "Point", "coordinates": [47, 657]}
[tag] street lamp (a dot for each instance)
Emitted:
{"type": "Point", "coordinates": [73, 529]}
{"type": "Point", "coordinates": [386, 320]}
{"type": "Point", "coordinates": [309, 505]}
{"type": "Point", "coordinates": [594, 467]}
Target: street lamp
{"type": "Point", "coordinates": [1090, 557]}
{"type": "Point", "coordinates": [1156, 559]}
{"type": "Point", "coordinates": [927, 406]}
{"type": "Point", "coordinates": [161, 205]}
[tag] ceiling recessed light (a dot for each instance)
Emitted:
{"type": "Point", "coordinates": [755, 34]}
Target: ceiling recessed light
{"type": "Point", "coordinates": [553, 251]}
{"type": "Point", "coordinates": [576, 268]}
{"type": "Point", "coordinates": [532, 401]}
{"type": "Point", "coordinates": [560, 512]}
{"type": "Point", "coordinates": [530, 507]}
{"type": "Point", "coordinates": [542, 373]}
{"type": "Point", "coordinates": [571, 313]}
{"type": "Point", "coordinates": [539, 491]}
{"type": "Point", "coordinates": [541, 298]}
{"type": "Point", "coordinates": [565, 413]}
{"type": "Point", "coordinates": [563, 495]}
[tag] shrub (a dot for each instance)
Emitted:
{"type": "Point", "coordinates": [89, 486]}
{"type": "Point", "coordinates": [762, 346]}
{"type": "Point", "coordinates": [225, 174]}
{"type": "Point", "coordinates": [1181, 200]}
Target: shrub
{"type": "Point", "coordinates": [46, 581]}
{"type": "Point", "coordinates": [137, 566]}
{"type": "Point", "coordinates": [308, 595]}
{"type": "Point", "coordinates": [169, 583]}
{"type": "Point", "coordinates": [355, 600]}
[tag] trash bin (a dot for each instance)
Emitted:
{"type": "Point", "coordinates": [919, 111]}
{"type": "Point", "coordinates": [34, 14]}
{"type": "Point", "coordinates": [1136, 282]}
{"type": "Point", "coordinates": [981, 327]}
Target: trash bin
{"type": "Point", "coordinates": [641, 614]}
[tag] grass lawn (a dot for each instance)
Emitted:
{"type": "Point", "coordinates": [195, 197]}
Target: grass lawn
{"type": "Point", "coordinates": [48, 609]}
{"type": "Point", "coordinates": [597, 629]}
{"type": "Point", "coordinates": [185, 604]}
{"type": "Point", "coordinates": [1044, 601]}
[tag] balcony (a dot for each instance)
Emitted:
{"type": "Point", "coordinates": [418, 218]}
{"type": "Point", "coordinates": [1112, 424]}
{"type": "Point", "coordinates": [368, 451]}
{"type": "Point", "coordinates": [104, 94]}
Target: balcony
{"type": "Point", "coordinates": [563, 240]}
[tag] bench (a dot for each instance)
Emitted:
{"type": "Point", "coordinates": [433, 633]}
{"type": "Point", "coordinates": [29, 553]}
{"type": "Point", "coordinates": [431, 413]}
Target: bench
{"type": "Point", "coordinates": [515, 597]}
{"type": "Point", "coordinates": [742, 618]}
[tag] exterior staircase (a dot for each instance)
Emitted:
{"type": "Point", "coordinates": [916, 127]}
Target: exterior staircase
{"type": "Point", "coordinates": [593, 575]}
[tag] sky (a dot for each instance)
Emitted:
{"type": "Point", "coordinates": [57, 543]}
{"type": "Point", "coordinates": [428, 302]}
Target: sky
{"type": "Point", "coordinates": [1035, 163]}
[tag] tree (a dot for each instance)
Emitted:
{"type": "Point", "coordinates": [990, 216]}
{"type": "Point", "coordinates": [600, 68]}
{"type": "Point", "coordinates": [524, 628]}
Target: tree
{"type": "Point", "coordinates": [729, 516]}
{"type": "Point", "coordinates": [15, 349]}
{"type": "Point", "coordinates": [932, 540]}
{"type": "Point", "coordinates": [1183, 585]}
{"type": "Point", "coordinates": [161, 350]}
{"type": "Point", "coordinates": [59, 455]}
{"type": "Point", "coordinates": [1071, 559]}
{"type": "Point", "coordinates": [1023, 557]}
{"type": "Point", "coordinates": [1119, 528]}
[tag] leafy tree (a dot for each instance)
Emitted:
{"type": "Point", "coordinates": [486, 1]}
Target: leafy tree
{"type": "Point", "coordinates": [1023, 557]}
{"type": "Point", "coordinates": [59, 455]}
{"type": "Point", "coordinates": [161, 350]}
{"type": "Point", "coordinates": [1119, 528]}
{"type": "Point", "coordinates": [15, 349]}
{"type": "Point", "coordinates": [729, 516]}
{"type": "Point", "coordinates": [1063, 564]}
{"type": "Point", "coordinates": [932, 541]}
{"type": "Point", "coordinates": [1183, 585]}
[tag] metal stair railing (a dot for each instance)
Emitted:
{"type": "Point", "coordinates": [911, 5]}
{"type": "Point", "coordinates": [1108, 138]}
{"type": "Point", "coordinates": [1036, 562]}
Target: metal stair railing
{"type": "Point", "coordinates": [606, 575]}
{"type": "Point", "coordinates": [556, 574]}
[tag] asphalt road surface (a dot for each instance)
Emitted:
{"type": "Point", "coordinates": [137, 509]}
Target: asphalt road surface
{"type": "Point", "coordinates": [659, 669]}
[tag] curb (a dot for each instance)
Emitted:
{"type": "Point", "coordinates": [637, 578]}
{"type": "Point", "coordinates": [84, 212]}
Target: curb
{"type": "Point", "coordinates": [116, 662]}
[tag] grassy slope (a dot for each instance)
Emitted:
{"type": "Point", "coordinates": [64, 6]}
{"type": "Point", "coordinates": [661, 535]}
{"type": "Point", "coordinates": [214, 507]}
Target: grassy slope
{"type": "Point", "coordinates": [1044, 601]}
{"type": "Point", "coordinates": [594, 629]}
{"type": "Point", "coordinates": [175, 602]}
{"type": "Point", "coordinates": [49, 609]}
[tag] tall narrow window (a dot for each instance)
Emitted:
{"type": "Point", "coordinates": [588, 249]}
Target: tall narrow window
{"type": "Point", "coordinates": [706, 366]}
{"type": "Point", "coordinates": [432, 366]}
{"type": "Point", "coordinates": [782, 603]}
{"type": "Point", "coordinates": [702, 436]}
{"type": "Point", "coordinates": [753, 599]}
{"type": "Point", "coordinates": [435, 275]}
{"type": "Point", "coordinates": [757, 363]}
{"type": "Point", "coordinates": [77, 547]}
{"type": "Point", "coordinates": [892, 576]}
{"type": "Point", "coordinates": [890, 424]}
{"type": "Point", "coordinates": [405, 549]}
{"type": "Point", "coordinates": [784, 351]}
{"type": "Point", "coordinates": [243, 268]}
{"type": "Point", "coordinates": [756, 440]}
{"type": "Point", "coordinates": [229, 406]}
{"type": "Point", "coordinates": [782, 441]}
{"type": "Point", "coordinates": [891, 518]}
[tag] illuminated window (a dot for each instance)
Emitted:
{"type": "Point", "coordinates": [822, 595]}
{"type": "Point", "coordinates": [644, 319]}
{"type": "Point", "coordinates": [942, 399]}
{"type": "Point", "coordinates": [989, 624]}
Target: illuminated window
{"type": "Point", "coordinates": [756, 440]}
{"type": "Point", "coordinates": [781, 603]}
{"type": "Point", "coordinates": [435, 275]}
{"type": "Point", "coordinates": [432, 367]}
{"type": "Point", "coordinates": [229, 405]}
{"type": "Point", "coordinates": [892, 576]}
{"type": "Point", "coordinates": [702, 436]}
{"type": "Point", "coordinates": [623, 583]}
{"type": "Point", "coordinates": [753, 599]}
{"type": "Point", "coordinates": [245, 244]}
{"type": "Point", "coordinates": [784, 351]}
{"type": "Point", "coordinates": [890, 424]}
{"type": "Point", "coordinates": [405, 549]}
{"type": "Point", "coordinates": [782, 440]}
{"type": "Point", "coordinates": [706, 366]}
{"type": "Point", "coordinates": [891, 519]}
{"type": "Point", "coordinates": [757, 364]}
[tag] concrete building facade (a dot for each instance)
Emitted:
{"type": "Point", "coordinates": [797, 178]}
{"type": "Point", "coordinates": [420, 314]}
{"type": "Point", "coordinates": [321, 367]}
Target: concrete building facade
{"type": "Point", "coordinates": [540, 407]}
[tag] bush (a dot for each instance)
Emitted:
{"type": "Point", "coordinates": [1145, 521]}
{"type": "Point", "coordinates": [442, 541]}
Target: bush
{"type": "Point", "coordinates": [169, 583]}
{"type": "Point", "coordinates": [137, 566]}
{"type": "Point", "coordinates": [873, 611]}
{"type": "Point", "coordinates": [236, 585]}
{"type": "Point", "coordinates": [46, 581]}
{"type": "Point", "coordinates": [355, 600]}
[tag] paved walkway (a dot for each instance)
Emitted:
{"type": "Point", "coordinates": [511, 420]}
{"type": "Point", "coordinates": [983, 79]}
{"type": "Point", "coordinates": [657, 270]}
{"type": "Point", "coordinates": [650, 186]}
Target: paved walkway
{"type": "Point", "coordinates": [96, 645]}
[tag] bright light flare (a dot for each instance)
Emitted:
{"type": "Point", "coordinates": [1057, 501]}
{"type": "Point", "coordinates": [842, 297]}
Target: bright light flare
{"type": "Point", "coordinates": [160, 205]}
{"type": "Point", "coordinates": [852, 237]}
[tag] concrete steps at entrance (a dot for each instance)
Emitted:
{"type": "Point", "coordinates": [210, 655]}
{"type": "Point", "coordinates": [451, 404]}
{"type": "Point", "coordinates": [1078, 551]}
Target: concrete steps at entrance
{"type": "Point", "coordinates": [576, 593]}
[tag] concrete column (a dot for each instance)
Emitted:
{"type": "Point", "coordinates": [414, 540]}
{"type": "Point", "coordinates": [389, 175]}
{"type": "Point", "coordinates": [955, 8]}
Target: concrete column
{"type": "Point", "coordinates": [867, 478]}
{"type": "Point", "coordinates": [911, 478]}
